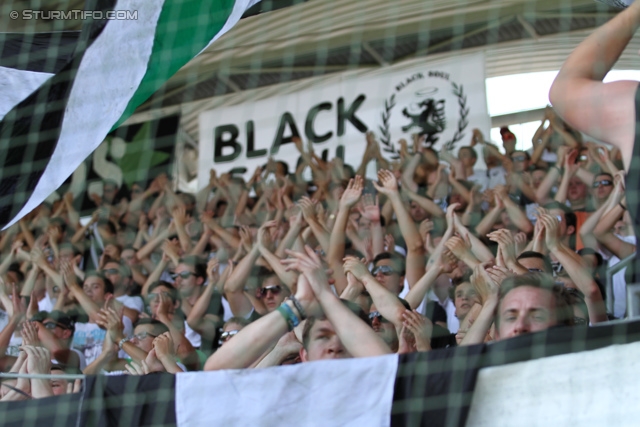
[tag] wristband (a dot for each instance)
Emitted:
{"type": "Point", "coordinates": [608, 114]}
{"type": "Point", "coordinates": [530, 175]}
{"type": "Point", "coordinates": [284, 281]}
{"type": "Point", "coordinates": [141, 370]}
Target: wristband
{"type": "Point", "coordinates": [121, 343]}
{"type": "Point", "coordinates": [298, 307]}
{"type": "Point", "coordinates": [288, 314]}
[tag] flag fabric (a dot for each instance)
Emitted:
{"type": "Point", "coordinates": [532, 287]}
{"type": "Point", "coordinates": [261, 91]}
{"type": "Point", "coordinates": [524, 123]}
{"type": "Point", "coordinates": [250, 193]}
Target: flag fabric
{"type": "Point", "coordinates": [56, 117]}
{"type": "Point", "coordinates": [563, 376]}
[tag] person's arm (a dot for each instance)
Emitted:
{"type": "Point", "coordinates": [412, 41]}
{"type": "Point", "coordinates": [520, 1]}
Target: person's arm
{"type": "Point", "coordinates": [478, 249]}
{"type": "Point", "coordinates": [180, 220]}
{"type": "Point", "coordinates": [308, 211]}
{"type": "Point", "coordinates": [287, 277]}
{"type": "Point", "coordinates": [488, 290]}
{"type": "Point", "coordinates": [386, 303]}
{"type": "Point", "coordinates": [165, 352]}
{"type": "Point", "coordinates": [605, 111]}
{"type": "Point", "coordinates": [461, 248]}
{"type": "Point", "coordinates": [198, 319]}
{"type": "Point", "coordinates": [370, 210]}
{"type": "Point", "coordinates": [484, 226]}
{"type": "Point", "coordinates": [456, 165]}
{"type": "Point", "coordinates": [255, 339]}
{"type": "Point", "coordinates": [589, 240]}
{"type": "Point", "coordinates": [234, 287]}
{"type": "Point", "coordinates": [604, 233]}
{"type": "Point", "coordinates": [155, 275]}
{"type": "Point", "coordinates": [415, 246]}
{"type": "Point", "coordinates": [516, 214]}
{"type": "Point", "coordinates": [572, 263]}
{"type": "Point", "coordinates": [295, 227]}
{"type": "Point", "coordinates": [507, 249]}
{"type": "Point", "coordinates": [87, 304]}
{"type": "Point", "coordinates": [287, 348]}
{"type": "Point", "coordinates": [409, 171]}
{"type": "Point", "coordinates": [356, 336]}
{"type": "Point", "coordinates": [337, 239]}
{"type": "Point", "coordinates": [184, 349]}
{"type": "Point", "coordinates": [541, 137]}
{"type": "Point", "coordinates": [108, 355]}
{"type": "Point", "coordinates": [425, 203]}
{"type": "Point", "coordinates": [38, 258]}
{"type": "Point", "coordinates": [47, 339]}
{"type": "Point", "coordinates": [38, 363]}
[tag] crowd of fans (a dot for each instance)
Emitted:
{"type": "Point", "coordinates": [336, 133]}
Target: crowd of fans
{"type": "Point", "coordinates": [435, 252]}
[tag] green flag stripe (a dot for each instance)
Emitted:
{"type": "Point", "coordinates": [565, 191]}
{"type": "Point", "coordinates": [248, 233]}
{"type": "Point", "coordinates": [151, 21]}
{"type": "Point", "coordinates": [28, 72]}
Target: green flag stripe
{"type": "Point", "coordinates": [185, 28]}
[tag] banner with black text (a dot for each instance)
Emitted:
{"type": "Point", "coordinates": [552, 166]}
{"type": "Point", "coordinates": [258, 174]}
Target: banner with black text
{"type": "Point", "coordinates": [442, 101]}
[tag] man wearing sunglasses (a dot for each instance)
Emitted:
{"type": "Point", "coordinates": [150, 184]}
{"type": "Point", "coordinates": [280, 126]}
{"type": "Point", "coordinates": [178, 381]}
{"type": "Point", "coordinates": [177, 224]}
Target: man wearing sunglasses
{"type": "Point", "coordinates": [601, 188]}
{"type": "Point", "coordinates": [55, 333]}
{"type": "Point", "coordinates": [189, 276]}
{"type": "Point", "coordinates": [272, 292]}
{"type": "Point", "coordinates": [388, 269]}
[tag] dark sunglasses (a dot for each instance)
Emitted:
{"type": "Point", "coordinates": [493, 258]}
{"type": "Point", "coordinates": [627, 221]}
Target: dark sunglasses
{"type": "Point", "coordinates": [376, 315]}
{"type": "Point", "coordinates": [274, 289]}
{"type": "Point", "coordinates": [111, 271]}
{"type": "Point", "coordinates": [604, 183]}
{"type": "Point", "coordinates": [384, 269]}
{"type": "Point", "coordinates": [142, 335]}
{"type": "Point", "coordinates": [152, 297]}
{"type": "Point", "coordinates": [53, 325]}
{"type": "Point", "coordinates": [184, 275]}
{"type": "Point", "coordinates": [226, 336]}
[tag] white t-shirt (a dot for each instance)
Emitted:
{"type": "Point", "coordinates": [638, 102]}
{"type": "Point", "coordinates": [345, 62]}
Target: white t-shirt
{"type": "Point", "coordinates": [453, 324]}
{"type": "Point", "coordinates": [497, 176]}
{"type": "Point", "coordinates": [47, 303]}
{"type": "Point", "coordinates": [89, 337]}
{"type": "Point", "coordinates": [480, 177]}
{"type": "Point", "coordinates": [134, 303]}
{"type": "Point", "coordinates": [620, 283]}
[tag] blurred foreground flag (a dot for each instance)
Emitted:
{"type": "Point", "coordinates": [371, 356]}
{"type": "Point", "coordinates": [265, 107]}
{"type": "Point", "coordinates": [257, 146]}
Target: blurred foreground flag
{"type": "Point", "coordinates": [62, 92]}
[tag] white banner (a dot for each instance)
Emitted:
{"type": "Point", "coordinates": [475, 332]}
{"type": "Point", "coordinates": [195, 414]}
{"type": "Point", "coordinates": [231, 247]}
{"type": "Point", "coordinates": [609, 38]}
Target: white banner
{"type": "Point", "coordinates": [443, 101]}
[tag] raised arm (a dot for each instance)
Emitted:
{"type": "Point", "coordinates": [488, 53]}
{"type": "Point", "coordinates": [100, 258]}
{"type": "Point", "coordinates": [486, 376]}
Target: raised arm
{"type": "Point", "coordinates": [337, 240]}
{"type": "Point", "coordinates": [572, 262]}
{"type": "Point", "coordinates": [415, 246]}
{"type": "Point", "coordinates": [605, 111]}
{"type": "Point", "coordinates": [357, 337]}
{"type": "Point", "coordinates": [256, 338]}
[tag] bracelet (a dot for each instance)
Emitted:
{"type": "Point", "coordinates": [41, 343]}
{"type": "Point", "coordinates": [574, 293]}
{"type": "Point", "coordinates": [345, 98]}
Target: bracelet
{"type": "Point", "coordinates": [288, 314]}
{"type": "Point", "coordinates": [121, 343]}
{"type": "Point", "coordinates": [622, 206]}
{"type": "Point", "coordinates": [298, 307]}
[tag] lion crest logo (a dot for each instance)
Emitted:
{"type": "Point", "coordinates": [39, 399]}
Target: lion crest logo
{"type": "Point", "coordinates": [429, 121]}
{"type": "Point", "coordinates": [426, 100]}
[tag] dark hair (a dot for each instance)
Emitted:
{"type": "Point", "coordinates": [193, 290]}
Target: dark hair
{"type": "Point", "coordinates": [395, 258]}
{"type": "Point", "coordinates": [108, 286]}
{"type": "Point", "coordinates": [556, 205]}
{"type": "Point", "coordinates": [199, 267]}
{"type": "Point", "coordinates": [15, 268]}
{"type": "Point", "coordinates": [574, 297]}
{"type": "Point", "coordinates": [239, 320]}
{"type": "Point", "coordinates": [548, 267]}
{"type": "Point", "coordinates": [173, 292]}
{"type": "Point", "coordinates": [471, 150]}
{"type": "Point", "coordinates": [564, 315]}
{"type": "Point", "coordinates": [67, 245]}
{"type": "Point", "coordinates": [590, 251]}
{"type": "Point", "coordinates": [355, 308]}
{"type": "Point", "coordinates": [159, 328]}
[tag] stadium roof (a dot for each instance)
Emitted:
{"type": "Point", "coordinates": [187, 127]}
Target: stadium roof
{"type": "Point", "coordinates": [315, 40]}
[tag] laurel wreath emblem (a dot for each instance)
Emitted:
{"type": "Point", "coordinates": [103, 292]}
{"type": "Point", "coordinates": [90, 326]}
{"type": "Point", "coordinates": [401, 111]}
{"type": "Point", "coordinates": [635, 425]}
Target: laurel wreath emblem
{"type": "Point", "coordinates": [385, 134]}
